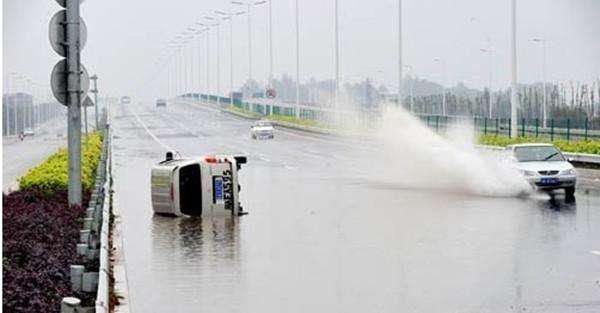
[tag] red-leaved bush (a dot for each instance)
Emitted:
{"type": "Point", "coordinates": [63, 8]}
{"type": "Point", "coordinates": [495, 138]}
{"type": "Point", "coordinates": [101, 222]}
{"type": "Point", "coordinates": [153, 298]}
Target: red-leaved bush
{"type": "Point", "coordinates": [40, 234]}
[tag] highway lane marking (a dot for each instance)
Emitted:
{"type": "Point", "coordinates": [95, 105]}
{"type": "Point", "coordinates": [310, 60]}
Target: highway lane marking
{"type": "Point", "coordinates": [160, 142]}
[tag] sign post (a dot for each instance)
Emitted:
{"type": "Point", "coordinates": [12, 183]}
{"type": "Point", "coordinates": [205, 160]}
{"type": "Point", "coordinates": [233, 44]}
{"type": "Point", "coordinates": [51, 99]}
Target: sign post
{"type": "Point", "coordinates": [68, 34]}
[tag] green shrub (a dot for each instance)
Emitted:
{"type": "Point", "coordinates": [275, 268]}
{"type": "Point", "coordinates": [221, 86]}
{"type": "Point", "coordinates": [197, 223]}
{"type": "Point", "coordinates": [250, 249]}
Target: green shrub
{"type": "Point", "coordinates": [52, 174]}
{"type": "Point", "coordinates": [583, 146]}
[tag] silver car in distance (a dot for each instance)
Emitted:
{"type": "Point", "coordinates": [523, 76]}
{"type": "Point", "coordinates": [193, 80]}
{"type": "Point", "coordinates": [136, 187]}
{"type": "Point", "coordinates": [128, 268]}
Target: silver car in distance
{"type": "Point", "coordinates": [544, 167]}
{"type": "Point", "coordinates": [262, 129]}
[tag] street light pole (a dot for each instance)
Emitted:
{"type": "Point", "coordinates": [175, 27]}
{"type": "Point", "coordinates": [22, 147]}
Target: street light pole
{"type": "Point", "coordinates": [490, 101]}
{"type": "Point", "coordinates": [544, 103]}
{"type": "Point", "coordinates": [514, 98]}
{"type": "Point", "coordinates": [412, 97]}
{"type": "Point", "coordinates": [249, 6]}
{"type": "Point", "coordinates": [95, 92]}
{"type": "Point", "coordinates": [443, 64]}
{"type": "Point", "coordinates": [271, 46]}
{"type": "Point", "coordinates": [400, 67]}
{"type": "Point", "coordinates": [336, 57]}
{"type": "Point", "coordinates": [297, 113]}
{"type": "Point", "coordinates": [229, 16]}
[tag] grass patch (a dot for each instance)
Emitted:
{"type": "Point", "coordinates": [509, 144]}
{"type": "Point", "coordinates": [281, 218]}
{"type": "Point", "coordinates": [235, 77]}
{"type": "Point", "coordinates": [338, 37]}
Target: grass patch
{"type": "Point", "coordinates": [582, 146]}
{"type": "Point", "coordinates": [294, 120]}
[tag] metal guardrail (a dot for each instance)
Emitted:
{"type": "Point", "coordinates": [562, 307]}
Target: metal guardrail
{"type": "Point", "coordinates": [93, 242]}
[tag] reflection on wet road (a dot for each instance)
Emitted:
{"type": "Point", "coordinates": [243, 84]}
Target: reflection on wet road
{"type": "Point", "coordinates": [323, 236]}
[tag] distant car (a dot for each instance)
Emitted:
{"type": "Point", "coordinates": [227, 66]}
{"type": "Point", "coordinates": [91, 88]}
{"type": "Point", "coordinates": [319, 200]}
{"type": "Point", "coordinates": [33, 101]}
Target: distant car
{"type": "Point", "coordinates": [544, 167]}
{"type": "Point", "coordinates": [262, 129]}
{"type": "Point", "coordinates": [28, 132]}
{"type": "Point", "coordinates": [161, 103]}
{"type": "Point", "coordinates": [125, 100]}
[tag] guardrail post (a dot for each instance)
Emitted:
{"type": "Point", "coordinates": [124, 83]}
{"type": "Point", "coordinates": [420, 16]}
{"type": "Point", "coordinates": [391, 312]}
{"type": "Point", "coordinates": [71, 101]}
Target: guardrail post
{"type": "Point", "coordinates": [586, 128]}
{"type": "Point", "coordinates": [437, 123]}
{"type": "Point", "coordinates": [537, 127]}
{"type": "Point", "coordinates": [76, 277]}
{"type": "Point", "coordinates": [523, 127]}
{"type": "Point", "coordinates": [510, 128]}
{"type": "Point", "coordinates": [552, 129]}
{"type": "Point", "coordinates": [70, 305]}
{"type": "Point", "coordinates": [568, 129]}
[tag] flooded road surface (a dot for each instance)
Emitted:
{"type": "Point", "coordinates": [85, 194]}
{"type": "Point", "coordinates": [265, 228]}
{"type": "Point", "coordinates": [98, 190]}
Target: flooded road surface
{"type": "Point", "coordinates": [323, 236]}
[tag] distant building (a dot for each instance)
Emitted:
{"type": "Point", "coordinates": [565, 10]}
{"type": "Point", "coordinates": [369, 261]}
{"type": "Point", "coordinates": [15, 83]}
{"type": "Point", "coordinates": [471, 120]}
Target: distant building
{"type": "Point", "coordinates": [17, 113]}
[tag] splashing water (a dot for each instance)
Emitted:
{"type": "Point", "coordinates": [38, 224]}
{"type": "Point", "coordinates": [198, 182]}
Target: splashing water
{"type": "Point", "coordinates": [410, 155]}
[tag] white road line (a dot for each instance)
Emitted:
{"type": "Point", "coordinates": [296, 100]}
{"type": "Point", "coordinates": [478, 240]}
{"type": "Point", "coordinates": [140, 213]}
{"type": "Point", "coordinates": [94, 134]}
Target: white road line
{"type": "Point", "coordinates": [150, 133]}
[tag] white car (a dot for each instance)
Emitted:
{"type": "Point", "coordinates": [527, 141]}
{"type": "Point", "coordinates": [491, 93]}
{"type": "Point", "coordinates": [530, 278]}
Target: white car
{"type": "Point", "coordinates": [28, 132]}
{"type": "Point", "coordinates": [544, 167]}
{"type": "Point", "coordinates": [262, 129]}
{"type": "Point", "coordinates": [161, 103]}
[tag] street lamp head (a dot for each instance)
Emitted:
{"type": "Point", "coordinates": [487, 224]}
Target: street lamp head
{"type": "Point", "coordinates": [220, 12]}
{"type": "Point", "coordinates": [536, 39]}
{"type": "Point", "coordinates": [237, 2]}
{"type": "Point", "coordinates": [239, 13]}
{"type": "Point", "coordinates": [259, 2]}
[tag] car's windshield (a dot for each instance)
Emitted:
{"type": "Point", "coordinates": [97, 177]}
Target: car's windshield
{"type": "Point", "coordinates": [538, 153]}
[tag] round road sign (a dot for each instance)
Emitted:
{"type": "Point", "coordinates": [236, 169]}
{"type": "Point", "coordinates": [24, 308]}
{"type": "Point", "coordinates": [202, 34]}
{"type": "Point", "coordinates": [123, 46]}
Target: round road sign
{"type": "Point", "coordinates": [63, 3]}
{"type": "Point", "coordinates": [59, 78]}
{"type": "Point", "coordinates": [58, 33]}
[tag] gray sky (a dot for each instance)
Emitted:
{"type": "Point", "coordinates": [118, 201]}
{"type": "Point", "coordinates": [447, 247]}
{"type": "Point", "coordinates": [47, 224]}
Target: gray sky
{"type": "Point", "coordinates": [126, 37]}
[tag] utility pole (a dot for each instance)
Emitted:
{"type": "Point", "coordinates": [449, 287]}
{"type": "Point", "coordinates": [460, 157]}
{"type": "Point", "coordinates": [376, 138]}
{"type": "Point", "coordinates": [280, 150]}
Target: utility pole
{"type": "Point", "coordinates": [514, 96]}
{"type": "Point", "coordinates": [74, 101]}
{"type": "Point", "coordinates": [95, 92]}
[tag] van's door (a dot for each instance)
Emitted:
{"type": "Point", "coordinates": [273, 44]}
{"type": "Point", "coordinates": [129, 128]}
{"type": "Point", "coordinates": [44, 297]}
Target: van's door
{"type": "Point", "coordinates": [190, 190]}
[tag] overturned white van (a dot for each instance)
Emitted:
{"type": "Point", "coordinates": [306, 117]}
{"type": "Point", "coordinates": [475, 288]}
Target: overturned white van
{"type": "Point", "coordinates": [201, 186]}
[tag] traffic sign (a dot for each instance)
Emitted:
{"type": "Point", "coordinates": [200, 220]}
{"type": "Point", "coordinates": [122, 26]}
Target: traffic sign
{"type": "Point", "coordinates": [63, 3]}
{"type": "Point", "coordinates": [59, 79]}
{"type": "Point", "coordinates": [58, 33]}
{"type": "Point", "coordinates": [88, 102]}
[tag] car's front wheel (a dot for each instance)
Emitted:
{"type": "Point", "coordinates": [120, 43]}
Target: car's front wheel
{"type": "Point", "coordinates": [570, 192]}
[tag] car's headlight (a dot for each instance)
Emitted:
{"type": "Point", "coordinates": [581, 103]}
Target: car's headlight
{"type": "Point", "coordinates": [528, 173]}
{"type": "Point", "coordinates": [570, 171]}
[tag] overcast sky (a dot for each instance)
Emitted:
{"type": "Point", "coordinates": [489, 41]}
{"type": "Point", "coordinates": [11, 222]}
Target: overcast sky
{"type": "Point", "coordinates": [125, 38]}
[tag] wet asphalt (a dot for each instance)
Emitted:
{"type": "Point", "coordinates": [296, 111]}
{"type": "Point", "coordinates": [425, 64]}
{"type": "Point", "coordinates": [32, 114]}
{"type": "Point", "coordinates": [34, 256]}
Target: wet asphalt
{"type": "Point", "coordinates": [323, 236]}
{"type": "Point", "coordinates": [19, 156]}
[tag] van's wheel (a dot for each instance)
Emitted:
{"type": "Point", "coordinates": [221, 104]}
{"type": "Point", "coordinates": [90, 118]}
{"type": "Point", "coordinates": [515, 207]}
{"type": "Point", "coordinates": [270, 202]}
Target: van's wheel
{"type": "Point", "coordinates": [570, 193]}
